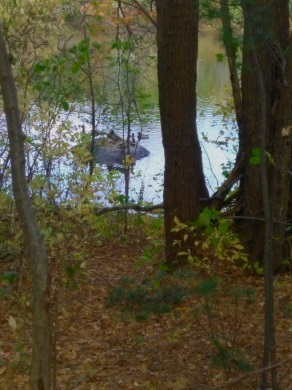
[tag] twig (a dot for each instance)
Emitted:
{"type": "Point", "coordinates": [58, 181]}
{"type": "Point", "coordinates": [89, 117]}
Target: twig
{"type": "Point", "coordinates": [129, 206]}
{"type": "Point", "coordinates": [58, 331]}
{"type": "Point", "coordinates": [217, 199]}
{"type": "Point", "coordinates": [104, 279]}
{"type": "Point", "coordinates": [138, 6]}
{"type": "Point", "coordinates": [226, 216]}
{"type": "Point", "coordinates": [245, 376]}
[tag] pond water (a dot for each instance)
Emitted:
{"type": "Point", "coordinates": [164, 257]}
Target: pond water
{"type": "Point", "coordinates": [213, 82]}
{"type": "Point", "coordinates": [146, 179]}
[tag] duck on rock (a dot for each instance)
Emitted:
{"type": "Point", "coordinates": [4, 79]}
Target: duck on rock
{"type": "Point", "coordinates": [142, 136]}
{"type": "Point", "coordinates": [112, 149]}
{"type": "Point", "coordinates": [114, 136]}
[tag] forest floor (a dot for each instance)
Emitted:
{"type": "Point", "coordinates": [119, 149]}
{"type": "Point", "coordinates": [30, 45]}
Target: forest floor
{"type": "Point", "coordinates": [211, 333]}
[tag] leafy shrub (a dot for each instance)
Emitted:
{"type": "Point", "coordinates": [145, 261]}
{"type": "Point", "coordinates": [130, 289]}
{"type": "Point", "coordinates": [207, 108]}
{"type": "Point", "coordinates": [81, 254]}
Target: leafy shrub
{"type": "Point", "coordinates": [6, 281]}
{"type": "Point", "coordinates": [212, 236]}
{"type": "Point", "coordinates": [227, 357]}
{"type": "Point", "coordinates": [146, 299]}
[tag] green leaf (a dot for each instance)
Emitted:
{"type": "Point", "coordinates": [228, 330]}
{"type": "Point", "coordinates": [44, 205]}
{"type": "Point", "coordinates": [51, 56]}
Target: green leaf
{"type": "Point", "coordinates": [208, 286]}
{"type": "Point", "coordinates": [139, 339]}
{"type": "Point", "coordinates": [156, 283]}
{"type": "Point", "coordinates": [225, 174]}
{"type": "Point", "coordinates": [190, 260]}
{"type": "Point", "coordinates": [270, 158]}
{"type": "Point", "coordinates": [127, 44]}
{"type": "Point", "coordinates": [29, 140]}
{"type": "Point", "coordinates": [9, 276]}
{"type": "Point", "coordinates": [209, 230]}
{"type": "Point", "coordinates": [75, 67]}
{"type": "Point", "coordinates": [223, 227]}
{"type": "Point", "coordinates": [215, 241]}
{"type": "Point", "coordinates": [116, 44]}
{"type": "Point", "coordinates": [83, 46]}
{"type": "Point", "coordinates": [39, 68]}
{"type": "Point", "coordinates": [122, 199]}
{"type": "Point", "coordinates": [256, 152]}
{"type": "Point", "coordinates": [65, 105]}
{"type": "Point", "coordinates": [206, 216]}
{"type": "Point", "coordinates": [39, 87]}
{"type": "Point", "coordinates": [163, 267]}
{"type": "Point", "coordinates": [258, 268]}
{"type": "Point", "coordinates": [70, 271]}
{"type": "Point", "coordinates": [255, 158]}
{"type": "Point", "coordinates": [219, 57]}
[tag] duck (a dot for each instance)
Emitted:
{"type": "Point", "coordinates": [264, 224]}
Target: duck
{"type": "Point", "coordinates": [142, 136]}
{"type": "Point", "coordinates": [131, 139]}
{"type": "Point", "coordinates": [115, 137]}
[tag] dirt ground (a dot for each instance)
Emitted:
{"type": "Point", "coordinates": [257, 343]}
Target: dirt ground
{"type": "Point", "coordinates": [105, 347]}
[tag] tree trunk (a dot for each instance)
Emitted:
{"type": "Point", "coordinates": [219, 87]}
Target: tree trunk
{"type": "Point", "coordinates": [41, 358]}
{"type": "Point", "coordinates": [231, 46]}
{"type": "Point", "coordinates": [282, 123]}
{"type": "Point", "coordinates": [269, 354]}
{"type": "Point", "coordinates": [184, 182]}
{"type": "Point", "coordinates": [270, 23]}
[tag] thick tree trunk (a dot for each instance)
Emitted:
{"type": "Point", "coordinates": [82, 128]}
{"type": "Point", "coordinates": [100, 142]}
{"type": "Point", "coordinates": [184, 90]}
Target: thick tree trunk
{"type": "Point", "coordinates": [269, 354]}
{"type": "Point", "coordinates": [271, 43]}
{"type": "Point", "coordinates": [282, 126]}
{"type": "Point", "coordinates": [184, 182]}
{"type": "Point", "coordinates": [41, 359]}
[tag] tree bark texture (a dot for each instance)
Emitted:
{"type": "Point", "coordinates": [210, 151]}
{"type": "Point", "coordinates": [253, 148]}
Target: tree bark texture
{"type": "Point", "coordinates": [184, 182]}
{"type": "Point", "coordinates": [269, 21]}
{"type": "Point", "coordinates": [229, 42]}
{"type": "Point", "coordinates": [41, 358]}
{"type": "Point", "coordinates": [282, 127]}
{"type": "Point", "coordinates": [269, 337]}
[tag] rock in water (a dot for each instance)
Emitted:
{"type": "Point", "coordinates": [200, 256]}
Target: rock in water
{"type": "Point", "coordinates": [109, 154]}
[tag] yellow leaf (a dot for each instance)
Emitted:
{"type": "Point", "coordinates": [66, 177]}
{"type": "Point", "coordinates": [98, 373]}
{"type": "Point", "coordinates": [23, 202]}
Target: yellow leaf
{"type": "Point", "coordinates": [176, 220]}
{"type": "Point", "coordinates": [180, 383]}
{"type": "Point", "coordinates": [12, 322]}
{"type": "Point", "coordinates": [190, 260]}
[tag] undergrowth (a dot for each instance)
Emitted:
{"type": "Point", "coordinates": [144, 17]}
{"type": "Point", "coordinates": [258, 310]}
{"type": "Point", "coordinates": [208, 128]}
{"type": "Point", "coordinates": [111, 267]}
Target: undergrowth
{"type": "Point", "coordinates": [203, 297]}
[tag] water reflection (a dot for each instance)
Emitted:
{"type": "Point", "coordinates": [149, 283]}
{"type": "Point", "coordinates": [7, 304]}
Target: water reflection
{"type": "Point", "coordinates": [212, 75]}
